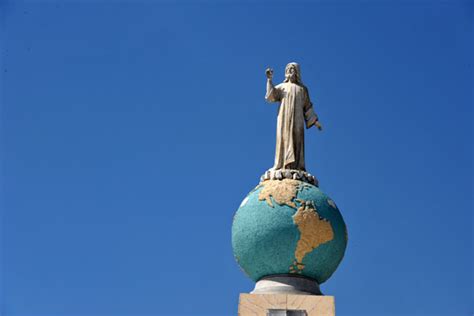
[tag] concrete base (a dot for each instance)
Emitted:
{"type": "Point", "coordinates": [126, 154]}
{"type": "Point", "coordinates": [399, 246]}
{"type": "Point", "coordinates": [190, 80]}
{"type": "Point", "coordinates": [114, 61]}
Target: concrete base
{"type": "Point", "coordinates": [264, 304]}
{"type": "Point", "coordinates": [286, 284]}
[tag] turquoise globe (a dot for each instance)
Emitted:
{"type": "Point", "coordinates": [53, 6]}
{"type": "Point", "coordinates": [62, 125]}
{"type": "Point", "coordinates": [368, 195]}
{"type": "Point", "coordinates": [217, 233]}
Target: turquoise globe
{"type": "Point", "coordinates": [288, 227]}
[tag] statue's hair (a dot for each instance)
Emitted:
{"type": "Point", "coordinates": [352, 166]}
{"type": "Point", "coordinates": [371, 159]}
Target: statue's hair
{"type": "Point", "coordinates": [298, 73]}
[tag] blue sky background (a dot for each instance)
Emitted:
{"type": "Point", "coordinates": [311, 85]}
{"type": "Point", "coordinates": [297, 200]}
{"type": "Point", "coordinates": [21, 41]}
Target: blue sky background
{"type": "Point", "coordinates": [131, 131]}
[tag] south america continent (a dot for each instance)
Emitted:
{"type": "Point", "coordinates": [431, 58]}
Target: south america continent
{"type": "Point", "coordinates": [314, 230]}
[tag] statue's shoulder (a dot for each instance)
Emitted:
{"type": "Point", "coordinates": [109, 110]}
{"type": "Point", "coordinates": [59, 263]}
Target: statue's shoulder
{"type": "Point", "coordinates": [281, 85]}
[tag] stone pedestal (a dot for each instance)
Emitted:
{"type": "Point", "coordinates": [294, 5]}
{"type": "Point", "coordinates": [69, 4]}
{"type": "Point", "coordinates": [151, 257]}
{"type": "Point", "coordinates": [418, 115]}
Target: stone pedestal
{"type": "Point", "coordinates": [286, 304]}
{"type": "Point", "coordinates": [286, 284]}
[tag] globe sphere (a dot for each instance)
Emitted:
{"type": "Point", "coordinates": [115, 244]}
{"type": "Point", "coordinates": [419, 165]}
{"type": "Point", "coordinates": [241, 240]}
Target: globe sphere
{"type": "Point", "coordinates": [288, 227]}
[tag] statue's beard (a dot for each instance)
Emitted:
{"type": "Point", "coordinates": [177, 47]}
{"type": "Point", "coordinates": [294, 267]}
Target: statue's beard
{"type": "Point", "coordinates": [291, 77]}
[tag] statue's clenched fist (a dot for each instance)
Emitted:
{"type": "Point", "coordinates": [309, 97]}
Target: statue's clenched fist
{"type": "Point", "coordinates": [269, 73]}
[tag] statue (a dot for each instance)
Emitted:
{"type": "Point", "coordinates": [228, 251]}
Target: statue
{"type": "Point", "coordinates": [295, 111]}
{"type": "Point", "coordinates": [288, 235]}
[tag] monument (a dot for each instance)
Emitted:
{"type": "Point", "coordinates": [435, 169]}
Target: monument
{"type": "Point", "coordinates": [287, 235]}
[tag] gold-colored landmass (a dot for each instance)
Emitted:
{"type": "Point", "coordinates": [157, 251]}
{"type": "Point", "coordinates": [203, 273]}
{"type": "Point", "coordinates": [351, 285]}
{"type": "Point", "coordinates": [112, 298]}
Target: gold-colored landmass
{"type": "Point", "coordinates": [314, 231]}
{"type": "Point", "coordinates": [282, 191]}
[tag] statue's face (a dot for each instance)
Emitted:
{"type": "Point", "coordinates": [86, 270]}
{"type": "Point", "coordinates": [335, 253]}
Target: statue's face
{"type": "Point", "coordinates": [290, 73]}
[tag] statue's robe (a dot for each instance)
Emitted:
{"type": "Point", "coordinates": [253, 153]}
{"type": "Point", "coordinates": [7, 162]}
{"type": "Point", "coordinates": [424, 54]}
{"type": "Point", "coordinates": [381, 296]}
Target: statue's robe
{"type": "Point", "coordinates": [294, 113]}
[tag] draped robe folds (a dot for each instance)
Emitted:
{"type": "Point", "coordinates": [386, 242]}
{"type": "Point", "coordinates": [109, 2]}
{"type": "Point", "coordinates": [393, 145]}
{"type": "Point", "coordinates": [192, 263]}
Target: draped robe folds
{"type": "Point", "coordinates": [294, 111]}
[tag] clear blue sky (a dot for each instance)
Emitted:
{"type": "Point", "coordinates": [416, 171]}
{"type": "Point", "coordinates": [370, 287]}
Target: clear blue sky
{"type": "Point", "coordinates": [130, 133]}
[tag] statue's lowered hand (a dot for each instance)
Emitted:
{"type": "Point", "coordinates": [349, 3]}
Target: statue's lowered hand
{"type": "Point", "coordinates": [318, 125]}
{"type": "Point", "coordinates": [269, 73]}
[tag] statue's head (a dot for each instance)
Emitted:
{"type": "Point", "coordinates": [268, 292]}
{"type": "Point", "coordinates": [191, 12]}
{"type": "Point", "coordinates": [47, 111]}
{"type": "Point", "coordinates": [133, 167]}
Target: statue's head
{"type": "Point", "coordinates": [293, 73]}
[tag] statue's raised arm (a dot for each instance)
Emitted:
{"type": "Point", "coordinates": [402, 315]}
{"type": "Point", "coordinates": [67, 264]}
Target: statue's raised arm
{"type": "Point", "coordinates": [273, 94]}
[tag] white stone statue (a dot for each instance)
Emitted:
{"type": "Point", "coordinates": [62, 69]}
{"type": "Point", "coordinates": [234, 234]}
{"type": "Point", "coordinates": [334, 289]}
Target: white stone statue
{"type": "Point", "coordinates": [295, 111]}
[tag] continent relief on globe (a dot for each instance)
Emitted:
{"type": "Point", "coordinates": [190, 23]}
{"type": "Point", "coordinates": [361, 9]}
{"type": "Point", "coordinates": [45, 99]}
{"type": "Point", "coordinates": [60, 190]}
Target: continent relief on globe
{"type": "Point", "coordinates": [314, 230]}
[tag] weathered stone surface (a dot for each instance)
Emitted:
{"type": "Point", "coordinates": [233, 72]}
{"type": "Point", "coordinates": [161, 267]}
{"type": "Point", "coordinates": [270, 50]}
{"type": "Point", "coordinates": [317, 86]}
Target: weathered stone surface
{"type": "Point", "coordinates": [260, 304]}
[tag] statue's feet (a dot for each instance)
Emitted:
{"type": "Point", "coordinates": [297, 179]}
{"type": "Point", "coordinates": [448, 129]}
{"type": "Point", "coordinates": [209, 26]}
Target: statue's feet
{"type": "Point", "coordinates": [294, 174]}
